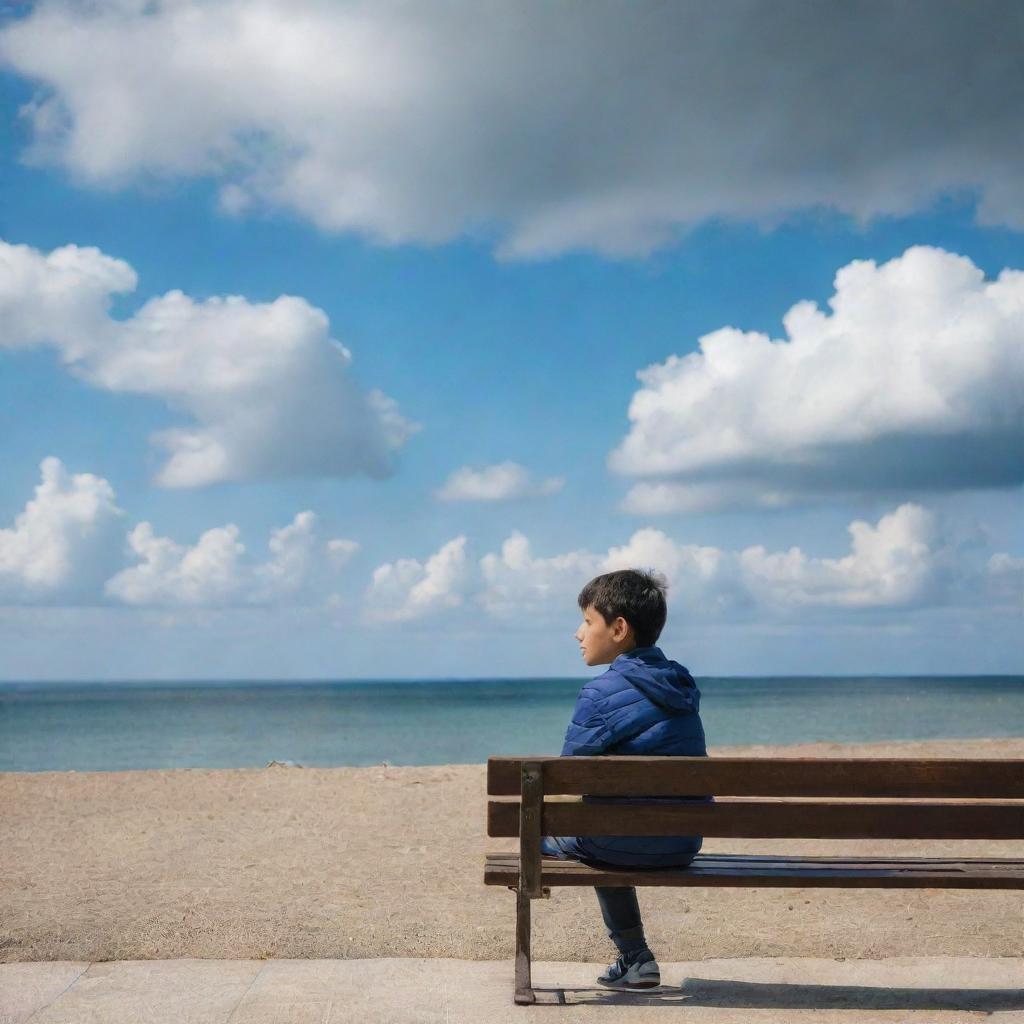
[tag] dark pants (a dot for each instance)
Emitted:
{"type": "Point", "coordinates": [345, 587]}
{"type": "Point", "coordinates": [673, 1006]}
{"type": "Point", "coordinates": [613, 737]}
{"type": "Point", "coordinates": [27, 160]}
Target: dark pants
{"type": "Point", "coordinates": [619, 906]}
{"type": "Point", "coordinates": [621, 914]}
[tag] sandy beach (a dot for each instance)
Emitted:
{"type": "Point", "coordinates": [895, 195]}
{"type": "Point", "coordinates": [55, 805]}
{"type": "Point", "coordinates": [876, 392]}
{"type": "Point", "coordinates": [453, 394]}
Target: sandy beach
{"type": "Point", "coordinates": [388, 862]}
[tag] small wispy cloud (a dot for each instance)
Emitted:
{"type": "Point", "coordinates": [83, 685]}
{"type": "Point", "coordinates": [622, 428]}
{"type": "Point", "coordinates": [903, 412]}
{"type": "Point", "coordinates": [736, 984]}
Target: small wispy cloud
{"type": "Point", "coordinates": [504, 481]}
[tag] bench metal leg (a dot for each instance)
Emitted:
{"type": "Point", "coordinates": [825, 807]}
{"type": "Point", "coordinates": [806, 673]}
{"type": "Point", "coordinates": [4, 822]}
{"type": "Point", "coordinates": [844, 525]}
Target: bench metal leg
{"type": "Point", "coordinates": [524, 989]}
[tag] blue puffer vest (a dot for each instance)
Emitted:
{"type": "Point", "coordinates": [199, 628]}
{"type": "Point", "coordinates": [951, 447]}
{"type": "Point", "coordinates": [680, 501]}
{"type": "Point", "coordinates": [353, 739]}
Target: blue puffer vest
{"type": "Point", "coordinates": [643, 704]}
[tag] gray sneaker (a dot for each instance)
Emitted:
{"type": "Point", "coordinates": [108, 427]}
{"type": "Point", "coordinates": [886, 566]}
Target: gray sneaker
{"type": "Point", "coordinates": [637, 972]}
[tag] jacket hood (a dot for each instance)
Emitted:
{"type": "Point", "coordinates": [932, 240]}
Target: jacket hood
{"type": "Point", "coordinates": [665, 683]}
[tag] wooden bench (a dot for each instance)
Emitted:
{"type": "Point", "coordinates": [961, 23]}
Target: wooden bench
{"type": "Point", "coordinates": [878, 798]}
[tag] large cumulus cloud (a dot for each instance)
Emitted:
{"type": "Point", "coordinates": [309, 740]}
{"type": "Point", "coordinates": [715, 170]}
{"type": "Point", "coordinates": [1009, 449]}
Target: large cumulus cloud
{"type": "Point", "coordinates": [913, 381]}
{"type": "Point", "coordinates": [265, 390]}
{"type": "Point", "coordinates": [603, 125]}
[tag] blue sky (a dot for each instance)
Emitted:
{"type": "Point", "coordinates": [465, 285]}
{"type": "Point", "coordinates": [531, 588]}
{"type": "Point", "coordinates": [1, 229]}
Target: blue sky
{"type": "Point", "coordinates": [505, 305]}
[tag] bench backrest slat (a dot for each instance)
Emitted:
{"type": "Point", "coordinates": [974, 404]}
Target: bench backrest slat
{"type": "Point", "coordinates": [762, 798]}
{"type": "Point", "coordinates": [994, 779]}
{"type": "Point", "coordinates": [792, 819]}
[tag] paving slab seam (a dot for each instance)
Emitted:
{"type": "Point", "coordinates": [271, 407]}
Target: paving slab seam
{"type": "Point", "coordinates": [444, 994]}
{"type": "Point", "coordinates": [74, 981]}
{"type": "Point", "coordinates": [248, 989]}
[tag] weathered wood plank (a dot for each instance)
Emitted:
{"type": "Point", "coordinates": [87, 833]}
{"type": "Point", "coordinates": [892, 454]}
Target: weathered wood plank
{"type": "Point", "coordinates": [779, 819]}
{"type": "Point", "coordinates": [756, 776]}
{"type": "Point", "coordinates": [742, 860]}
{"type": "Point", "coordinates": [530, 810]}
{"type": "Point", "coordinates": [899, 873]}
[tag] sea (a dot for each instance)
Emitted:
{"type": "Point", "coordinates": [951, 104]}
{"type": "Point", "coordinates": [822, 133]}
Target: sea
{"type": "Point", "coordinates": [92, 726]}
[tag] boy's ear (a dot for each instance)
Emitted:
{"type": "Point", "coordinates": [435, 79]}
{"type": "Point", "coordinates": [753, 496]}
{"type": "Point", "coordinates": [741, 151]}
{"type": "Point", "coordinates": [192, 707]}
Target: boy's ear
{"type": "Point", "coordinates": [620, 627]}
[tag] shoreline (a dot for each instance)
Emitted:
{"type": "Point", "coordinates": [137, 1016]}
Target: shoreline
{"type": "Point", "coordinates": [980, 746]}
{"type": "Point", "coordinates": [387, 861]}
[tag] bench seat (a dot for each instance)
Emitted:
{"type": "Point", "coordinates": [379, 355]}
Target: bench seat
{"type": "Point", "coordinates": [725, 869]}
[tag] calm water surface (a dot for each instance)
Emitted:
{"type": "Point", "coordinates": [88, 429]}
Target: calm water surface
{"type": "Point", "coordinates": [110, 726]}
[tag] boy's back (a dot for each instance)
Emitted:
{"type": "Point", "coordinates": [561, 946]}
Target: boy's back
{"type": "Point", "coordinates": [642, 704]}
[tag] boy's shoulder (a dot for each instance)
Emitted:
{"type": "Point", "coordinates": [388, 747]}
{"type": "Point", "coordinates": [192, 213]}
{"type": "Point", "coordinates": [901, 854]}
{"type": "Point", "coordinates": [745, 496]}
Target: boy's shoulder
{"type": "Point", "coordinates": [643, 661]}
{"type": "Point", "coordinates": [647, 671]}
{"type": "Point", "coordinates": [608, 681]}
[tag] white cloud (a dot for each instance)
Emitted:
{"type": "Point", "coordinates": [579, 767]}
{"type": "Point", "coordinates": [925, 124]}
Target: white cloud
{"type": "Point", "coordinates": [68, 548]}
{"type": "Point", "coordinates": [301, 564]}
{"type": "Point", "coordinates": [553, 126]}
{"type": "Point", "coordinates": [504, 481]}
{"type": "Point", "coordinates": [293, 550]}
{"type": "Point", "coordinates": [214, 571]}
{"type": "Point", "coordinates": [207, 573]}
{"type": "Point", "coordinates": [913, 382]}
{"type": "Point", "coordinates": [903, 561]}
{"type": "Point", "coordinates": [265, 387]}
{"type": "Point", "coordinates": [340, 551]}
{"type": "Point", "coordinates": [895, 563]}
{"type": "Point", "coordinates": [66, 540]}
{"type": "Point", "coordinates": [65, 294]}
{"type": "Point", "coordinates": [704, 579]}
{"type": "Point", "coordinates": [1005, 578]}
{"type": "Point", "coordinates": [407, 589]}
{"type": "Point", "coordinates": [515, 582]}
{"type": "Point", "coordinates": [659, 499]}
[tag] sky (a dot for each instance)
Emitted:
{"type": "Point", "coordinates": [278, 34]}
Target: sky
{"type": "Point", "coordinates": [349, 340]}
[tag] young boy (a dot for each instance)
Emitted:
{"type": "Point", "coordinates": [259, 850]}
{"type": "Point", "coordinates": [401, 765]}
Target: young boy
{"type": "Point", "coordinates": [642, 704]}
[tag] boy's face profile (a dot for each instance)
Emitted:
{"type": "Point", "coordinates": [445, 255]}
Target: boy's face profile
{"type": "Point", "coordinates": [602, 642]}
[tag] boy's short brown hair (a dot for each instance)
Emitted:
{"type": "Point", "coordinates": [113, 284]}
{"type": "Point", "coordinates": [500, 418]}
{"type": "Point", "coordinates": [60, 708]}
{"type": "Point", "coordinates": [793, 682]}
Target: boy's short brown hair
{"type": "Point", "coordinates": [637, 595]}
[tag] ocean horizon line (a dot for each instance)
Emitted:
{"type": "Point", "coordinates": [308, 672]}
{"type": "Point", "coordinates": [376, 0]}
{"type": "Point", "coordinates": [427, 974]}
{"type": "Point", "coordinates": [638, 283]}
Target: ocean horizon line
{"type": "Point", "coordinates": [426, 680]}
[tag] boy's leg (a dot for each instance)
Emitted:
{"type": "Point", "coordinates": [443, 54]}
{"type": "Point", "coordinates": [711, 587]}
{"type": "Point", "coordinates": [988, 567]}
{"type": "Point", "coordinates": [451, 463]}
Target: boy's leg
{"type": "Point", "coordinates": [621, 913]}
{"type": "Point", "coordinates": [553, 846]}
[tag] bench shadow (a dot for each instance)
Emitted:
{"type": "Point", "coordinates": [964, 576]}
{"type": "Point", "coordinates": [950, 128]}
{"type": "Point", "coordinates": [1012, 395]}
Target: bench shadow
{"type": "Point", "coordinates": [751, 995]}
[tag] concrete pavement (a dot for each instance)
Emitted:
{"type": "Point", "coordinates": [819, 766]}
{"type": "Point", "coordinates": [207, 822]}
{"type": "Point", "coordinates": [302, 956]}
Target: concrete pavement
{"type": "Point", "coordinates": [929, 990]}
